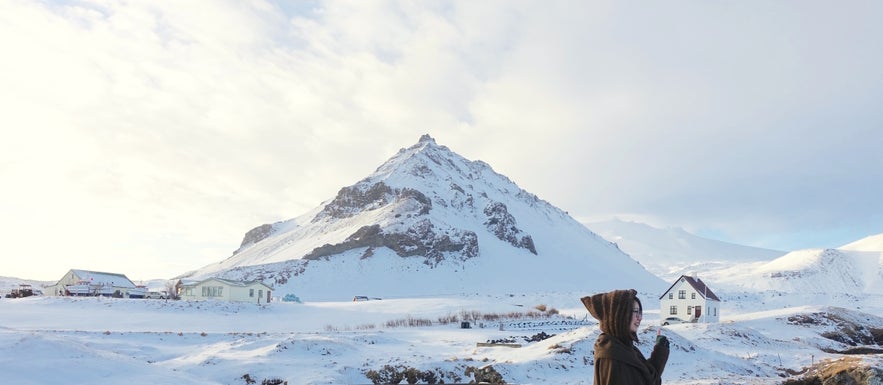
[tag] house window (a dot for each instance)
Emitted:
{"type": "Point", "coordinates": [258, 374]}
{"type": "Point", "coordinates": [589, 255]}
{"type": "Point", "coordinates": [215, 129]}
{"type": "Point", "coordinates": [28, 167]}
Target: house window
{"type": "Point", "coordinates": [692, 295]}
{"type": "Point", "coordinates": [260, 293]}
{"type": "Point", "coordinates": [671, 295]}
{"type": "Point", "coordinates": [689, 310]}
{"type": "Point", "coordinates": [251, 292]}
{"type": "Point", "coordinates": [673, 310]}
{"type": "Point", "coordinates": [212, 291]}
{"type": "Point", "coordinates": [682, 294]}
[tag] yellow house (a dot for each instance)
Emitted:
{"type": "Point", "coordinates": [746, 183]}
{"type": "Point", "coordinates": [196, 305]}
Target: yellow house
{"type": "Point", "coordinates": [226, 290]}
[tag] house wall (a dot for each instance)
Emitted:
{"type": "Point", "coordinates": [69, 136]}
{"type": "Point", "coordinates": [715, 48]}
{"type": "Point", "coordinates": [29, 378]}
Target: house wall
{"type": "Point", "coordinates": [685, 307]}
{"type": "Point", "coordinates": [207, 290]}
{"type": "Point", "coordinates": [71, 278]}
{"type": "Point", "coordinates": [255, 292]}
{"type": "Point", "coordinates": [223, 291]}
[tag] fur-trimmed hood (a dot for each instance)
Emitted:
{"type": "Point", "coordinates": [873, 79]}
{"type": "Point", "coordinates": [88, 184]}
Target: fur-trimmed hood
{"type": "Point", "coordinates": [614, 311]}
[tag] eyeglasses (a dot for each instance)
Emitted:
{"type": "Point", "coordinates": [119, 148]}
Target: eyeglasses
{"type": "Point", "coordinates": [638, 313]}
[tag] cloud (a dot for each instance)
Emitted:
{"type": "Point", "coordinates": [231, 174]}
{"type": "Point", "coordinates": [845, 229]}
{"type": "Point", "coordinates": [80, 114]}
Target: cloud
{"type": "Point", "coordinates": [173, 134]}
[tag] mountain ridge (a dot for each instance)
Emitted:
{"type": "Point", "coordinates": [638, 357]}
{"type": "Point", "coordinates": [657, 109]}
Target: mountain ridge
{"type": "Point", "coordinates": [670, 252]}
{"type": "Point", "coordinates": [429, 212]}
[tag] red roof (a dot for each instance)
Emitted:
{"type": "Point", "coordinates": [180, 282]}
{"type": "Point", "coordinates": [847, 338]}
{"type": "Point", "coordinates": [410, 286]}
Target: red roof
{"type": "Point", "coordinates": [697, 284]}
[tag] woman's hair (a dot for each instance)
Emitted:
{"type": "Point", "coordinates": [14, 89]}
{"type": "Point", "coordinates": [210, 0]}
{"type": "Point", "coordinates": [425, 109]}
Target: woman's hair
{"type": "Point", "coordinates": [614, 311]}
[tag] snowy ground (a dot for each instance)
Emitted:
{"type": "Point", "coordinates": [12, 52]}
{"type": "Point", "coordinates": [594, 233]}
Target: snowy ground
{"type": "Point", "coordinates": [50, 340]}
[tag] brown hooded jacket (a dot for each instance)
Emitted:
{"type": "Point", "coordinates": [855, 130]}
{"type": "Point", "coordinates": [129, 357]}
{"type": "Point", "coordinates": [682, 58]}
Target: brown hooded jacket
{"type": "Point", "coordinates": [617, 360]}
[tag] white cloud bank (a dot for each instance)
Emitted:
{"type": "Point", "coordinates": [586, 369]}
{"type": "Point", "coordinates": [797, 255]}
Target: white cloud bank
{"type": "Point", "coordinates": [146, 138]}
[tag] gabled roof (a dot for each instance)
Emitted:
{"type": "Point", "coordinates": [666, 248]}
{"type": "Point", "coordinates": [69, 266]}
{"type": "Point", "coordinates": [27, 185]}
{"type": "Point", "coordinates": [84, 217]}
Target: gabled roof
{"type": "Point", "coordinates": [97, 277]}
{"type": "Point", "coordinates": [697, 284]}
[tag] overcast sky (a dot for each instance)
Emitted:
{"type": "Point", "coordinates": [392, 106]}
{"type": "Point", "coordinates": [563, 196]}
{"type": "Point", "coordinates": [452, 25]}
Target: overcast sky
{"type": "Point", "coordinates": [146, 138]}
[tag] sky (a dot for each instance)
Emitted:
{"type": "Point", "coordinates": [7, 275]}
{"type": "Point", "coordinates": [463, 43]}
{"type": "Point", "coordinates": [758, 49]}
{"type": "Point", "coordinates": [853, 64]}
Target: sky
{"type": "Point", "coordinates": [146, 138]}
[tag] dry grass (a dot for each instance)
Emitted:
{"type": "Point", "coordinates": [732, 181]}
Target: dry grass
{"type": "Point", "coordinates": [828, 368]}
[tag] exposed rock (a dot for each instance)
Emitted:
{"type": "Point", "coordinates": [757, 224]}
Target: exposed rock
{"type": "Point", "coordinates": [421, 239]}
{"type": "Point", "coordinates": [256, 235]}
{"type": "Point", "coordinates": [353, 200]}
{"type": "Point", "coordinates": [503, 226]}
{"type": "Point", "coordinates": [847, 331]}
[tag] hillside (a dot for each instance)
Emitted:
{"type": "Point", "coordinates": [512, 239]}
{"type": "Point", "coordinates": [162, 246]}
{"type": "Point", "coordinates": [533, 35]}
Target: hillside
{"type": "Point", "coordinates": [112, 341]}
{"type": "Point", "coordinates": [873, 243]}
{"type": "Point", "coordinates": [812, 271]}
{"type": "Point", "coordinates": [671, 252]}
{"type": "Point", "coordinates": [429, 221]}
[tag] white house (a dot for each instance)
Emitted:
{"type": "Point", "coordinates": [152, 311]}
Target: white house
{"type": "Point", "coordinates": [225, 290]}
{"type": "Point", "coordinates": [93, 283]}
{"type": "Point", "coordinates": [690, 300]}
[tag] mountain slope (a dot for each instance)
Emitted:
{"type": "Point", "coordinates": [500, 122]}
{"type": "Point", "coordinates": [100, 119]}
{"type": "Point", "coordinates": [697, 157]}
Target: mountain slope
{"type": "Point", "coordinates": [873, 243]}
{"type": "Point", "coordinates": [429, 221]}
{"type": "Point", "coordinates": [811, 271]}
{"type": "Point", "coordinates": [671, 252]}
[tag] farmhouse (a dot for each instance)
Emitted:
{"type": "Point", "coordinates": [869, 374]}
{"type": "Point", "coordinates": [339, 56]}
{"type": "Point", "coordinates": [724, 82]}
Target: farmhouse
{"type": "Point", "coordinates": [225, 290]}
{"type": "Point", "coordinates": [94, 283]}
{"type": "Point", "coordinates": [689, 300]}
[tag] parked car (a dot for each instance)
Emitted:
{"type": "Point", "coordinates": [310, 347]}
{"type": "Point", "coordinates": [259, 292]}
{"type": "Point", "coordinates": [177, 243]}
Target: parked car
{"type": "Point", "coordinates": [672, 321]}
{"type": "Point", "coordinates": [156, 295]}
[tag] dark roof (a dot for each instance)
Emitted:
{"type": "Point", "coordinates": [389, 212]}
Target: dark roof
{"type": "Point", "coordinates": [697, 284]}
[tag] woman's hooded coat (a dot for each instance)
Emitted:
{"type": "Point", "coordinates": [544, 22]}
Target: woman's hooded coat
{"type": "Point", "coordinates": [617, 360]}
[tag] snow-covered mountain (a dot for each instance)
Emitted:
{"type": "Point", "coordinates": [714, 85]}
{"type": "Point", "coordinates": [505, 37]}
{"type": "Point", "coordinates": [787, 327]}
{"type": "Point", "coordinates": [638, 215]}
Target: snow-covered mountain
{"type": "Point", "coordinates": [873, 243]}
{"type": "Point", "coordinates": [819, 271]}
{"type": "Point", "coordinates": [671, 252]}
{"type": "Point", "coordinates": [429, 221]}
{"type": "Point", "coordinates": [852, 269]}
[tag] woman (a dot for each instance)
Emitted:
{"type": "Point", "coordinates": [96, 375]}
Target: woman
{"type": "Point", "coordinates": [617, 360]}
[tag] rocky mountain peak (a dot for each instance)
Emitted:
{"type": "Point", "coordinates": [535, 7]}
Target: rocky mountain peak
{"type": "Point", "coordinates": [426, 207]}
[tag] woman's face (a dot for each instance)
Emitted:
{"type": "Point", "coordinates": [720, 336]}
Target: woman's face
{"type": "Point", "coordinates": [637, 316]}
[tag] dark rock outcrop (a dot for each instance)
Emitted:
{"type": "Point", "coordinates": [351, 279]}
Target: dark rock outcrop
{"type": "Point", "coordinates": [411, 237]}
{"type": "Point", "coordinates": [256, 235]}
{"type": "Point", "coordinates": [353, 200]}
{"type": "Point", "coordinates": [502, 224]}
{"type": "Point", "coordinates": [421, 239]}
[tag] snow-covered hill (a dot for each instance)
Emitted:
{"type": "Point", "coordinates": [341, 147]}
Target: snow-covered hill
{"type": "Point", "coordinates": [50, 340]}
{"type": "Point", "coordinates": [426, 222]}
{"type": "Point", "coordinates": [818, 271]}
{"type": "Point", "coordinates": [873, 243]}
{"type": "Point", "coordinates": [671, 252]}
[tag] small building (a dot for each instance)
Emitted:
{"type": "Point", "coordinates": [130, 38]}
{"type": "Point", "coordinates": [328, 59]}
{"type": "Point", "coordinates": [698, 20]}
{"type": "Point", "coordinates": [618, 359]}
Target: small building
{"type": "Point", "coordinates": [93, 283]}
{"type": "Point", "coordinates": [225, 290]}
{"type": "Point", "coordinates": [690, 300]}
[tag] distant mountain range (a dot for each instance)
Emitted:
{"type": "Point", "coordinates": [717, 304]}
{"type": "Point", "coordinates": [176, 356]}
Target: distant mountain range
{"type": "Point", "coordinates": [429, 221]}
{"type": "Point", "coordinates": [671, 252]}
{"type": "Point", "coordinates": [852, 269]}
